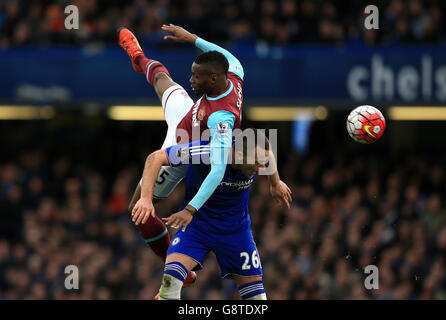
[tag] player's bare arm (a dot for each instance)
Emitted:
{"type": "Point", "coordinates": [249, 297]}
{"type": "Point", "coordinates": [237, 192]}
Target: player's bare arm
{"type": "Point", "coordinates": [278, 189]}
{"type": "Point", "coordinates": [144, 206]}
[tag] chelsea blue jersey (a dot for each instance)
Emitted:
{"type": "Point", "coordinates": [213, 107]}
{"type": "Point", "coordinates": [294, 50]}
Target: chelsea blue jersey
{"type": "Point", "coordinates": [226, 211]}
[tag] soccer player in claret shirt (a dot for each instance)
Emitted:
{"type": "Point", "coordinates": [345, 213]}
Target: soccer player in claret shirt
{"type": "Point", "coordinates": [222, 224]}
{"type": "Point", "coordinates": [218, 77]}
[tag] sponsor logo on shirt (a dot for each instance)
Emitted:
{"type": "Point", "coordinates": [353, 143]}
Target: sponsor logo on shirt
{"type": "Point", "coordinates": [242, 185]}
{"type": "Point", "coordinates": [239, 93]}
{"type": "Point", "coordinates": [201, 114]}
{"type": "Point", "coordinates": [195, 122]}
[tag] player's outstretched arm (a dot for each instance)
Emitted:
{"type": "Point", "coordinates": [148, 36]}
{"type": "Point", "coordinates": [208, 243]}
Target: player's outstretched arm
{"type": "Point", "coordinates": [144, 206]}
{"type": "Point", "coordinates": [180, 34]}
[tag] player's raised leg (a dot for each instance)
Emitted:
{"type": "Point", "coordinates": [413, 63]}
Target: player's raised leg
{"type": "Point", "coordinates": [156, 73]}
{"type": "Point", "coordinates": [176, 103]}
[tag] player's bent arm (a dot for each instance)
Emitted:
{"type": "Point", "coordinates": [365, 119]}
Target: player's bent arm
{"type": "Point", "coordinates": [153, 164]}
{"type": "Point", "coordinates": [144, 208]}
{"type": "Point", "coordinates": [278, 189]}
{"type": "Point", "coordinates": [273, 178]}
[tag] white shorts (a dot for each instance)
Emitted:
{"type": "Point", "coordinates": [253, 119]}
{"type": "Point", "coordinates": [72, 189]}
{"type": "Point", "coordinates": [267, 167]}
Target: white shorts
{"type": "Point", "coordinates": [176, 104]}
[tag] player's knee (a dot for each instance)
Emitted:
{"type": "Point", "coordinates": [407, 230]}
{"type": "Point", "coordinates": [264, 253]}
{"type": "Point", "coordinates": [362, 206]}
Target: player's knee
{"type": "Point", "coordinates": [161, 83]}
{"type": "Point", "coordinates": [161, 76]}
{"type": "Point", "coordinates": [252, 291]}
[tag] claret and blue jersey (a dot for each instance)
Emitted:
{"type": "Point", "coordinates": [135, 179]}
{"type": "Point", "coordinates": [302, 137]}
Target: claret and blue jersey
{"type": "Point", "coordinates": [226, 210]}
{"type": "Point", "coordinates": [220, 114]}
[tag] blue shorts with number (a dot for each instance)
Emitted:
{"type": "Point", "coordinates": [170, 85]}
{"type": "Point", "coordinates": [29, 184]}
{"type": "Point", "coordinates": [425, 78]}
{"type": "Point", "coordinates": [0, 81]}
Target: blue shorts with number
{"type": "Point", "coordinates": [236, 253]}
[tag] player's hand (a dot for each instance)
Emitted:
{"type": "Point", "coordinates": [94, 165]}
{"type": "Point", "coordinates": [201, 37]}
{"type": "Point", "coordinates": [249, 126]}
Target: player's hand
{"type": "Point", "coordinates": [281, 193]}
{"type": "Point", "coordinates": [142, 211]}
{"type": "Point", "coordinates": [179, 219]}
{"type": "Point", "coordinates": [179, 34]}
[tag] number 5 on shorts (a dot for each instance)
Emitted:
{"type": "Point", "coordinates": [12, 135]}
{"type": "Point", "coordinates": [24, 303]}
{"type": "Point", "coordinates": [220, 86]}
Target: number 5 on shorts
{"type": "Point", "coordinates": [162, 177]}
{"type": "Point", "coordinates": [254, 258]}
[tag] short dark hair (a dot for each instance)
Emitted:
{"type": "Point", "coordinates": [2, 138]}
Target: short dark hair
{"type": "Point", "coordinates": [214, 58]}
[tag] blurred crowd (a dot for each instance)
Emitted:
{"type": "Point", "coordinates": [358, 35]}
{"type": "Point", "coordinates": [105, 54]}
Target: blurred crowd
{"type": "Point", "coordinates": [348, 212]}
{"type": "Point", "coordinates": [271, 22]}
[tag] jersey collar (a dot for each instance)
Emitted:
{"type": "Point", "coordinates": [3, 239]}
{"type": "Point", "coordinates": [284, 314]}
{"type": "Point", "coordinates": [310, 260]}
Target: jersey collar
{"type": "Point", "coordinates": [224, 94]}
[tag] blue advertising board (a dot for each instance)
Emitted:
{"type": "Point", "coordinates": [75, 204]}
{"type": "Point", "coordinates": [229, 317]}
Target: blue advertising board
{"type": "Point", "coordinates": [292, 75]}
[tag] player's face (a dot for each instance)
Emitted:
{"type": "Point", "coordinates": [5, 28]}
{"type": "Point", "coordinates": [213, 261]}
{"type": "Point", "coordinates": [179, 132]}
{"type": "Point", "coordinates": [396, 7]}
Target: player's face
{"type": "Point", "coordinates": [261, 161]}
{"type": "Point", "coordinates": [202, 79]}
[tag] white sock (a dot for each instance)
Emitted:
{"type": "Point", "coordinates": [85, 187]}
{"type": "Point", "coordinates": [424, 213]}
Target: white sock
{"type": "Point", "coordinates": [170, 288]}
{"type": "Point", "coordinates": [261, 296]}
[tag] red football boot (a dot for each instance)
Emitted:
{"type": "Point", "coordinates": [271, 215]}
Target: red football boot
{"type": "Point", "coordinates": [190, 279]}
{"type": "Point", "coordinates": [130, 44]}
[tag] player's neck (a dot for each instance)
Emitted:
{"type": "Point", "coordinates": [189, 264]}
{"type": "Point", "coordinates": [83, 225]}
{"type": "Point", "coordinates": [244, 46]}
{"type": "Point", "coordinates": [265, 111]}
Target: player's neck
{"type": "Point", "coordinates": [219, 89]}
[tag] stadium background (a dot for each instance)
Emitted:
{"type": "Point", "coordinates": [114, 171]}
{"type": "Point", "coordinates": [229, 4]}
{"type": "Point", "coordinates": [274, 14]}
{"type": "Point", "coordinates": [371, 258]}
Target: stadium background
{"type": "Point", "coordinates": [69, 162]}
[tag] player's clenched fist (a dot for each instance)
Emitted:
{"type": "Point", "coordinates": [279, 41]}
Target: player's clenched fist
{"type": "Point", "coordinates": [142, 211]}
{"type": "Point", "coordinates": [179, 219]}
{"type": "Point", "coordinates": [179, 34]}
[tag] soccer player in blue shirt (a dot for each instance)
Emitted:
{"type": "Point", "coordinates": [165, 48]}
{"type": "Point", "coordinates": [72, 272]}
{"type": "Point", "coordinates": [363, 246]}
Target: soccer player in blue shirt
{"type": "Point", "coordinates": [221, 224]}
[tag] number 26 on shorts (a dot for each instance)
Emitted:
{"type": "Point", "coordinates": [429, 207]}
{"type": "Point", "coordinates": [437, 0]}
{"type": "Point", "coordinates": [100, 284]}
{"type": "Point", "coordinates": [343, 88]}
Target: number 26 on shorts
{"type": "Point", "coordinates": [255, 260]}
